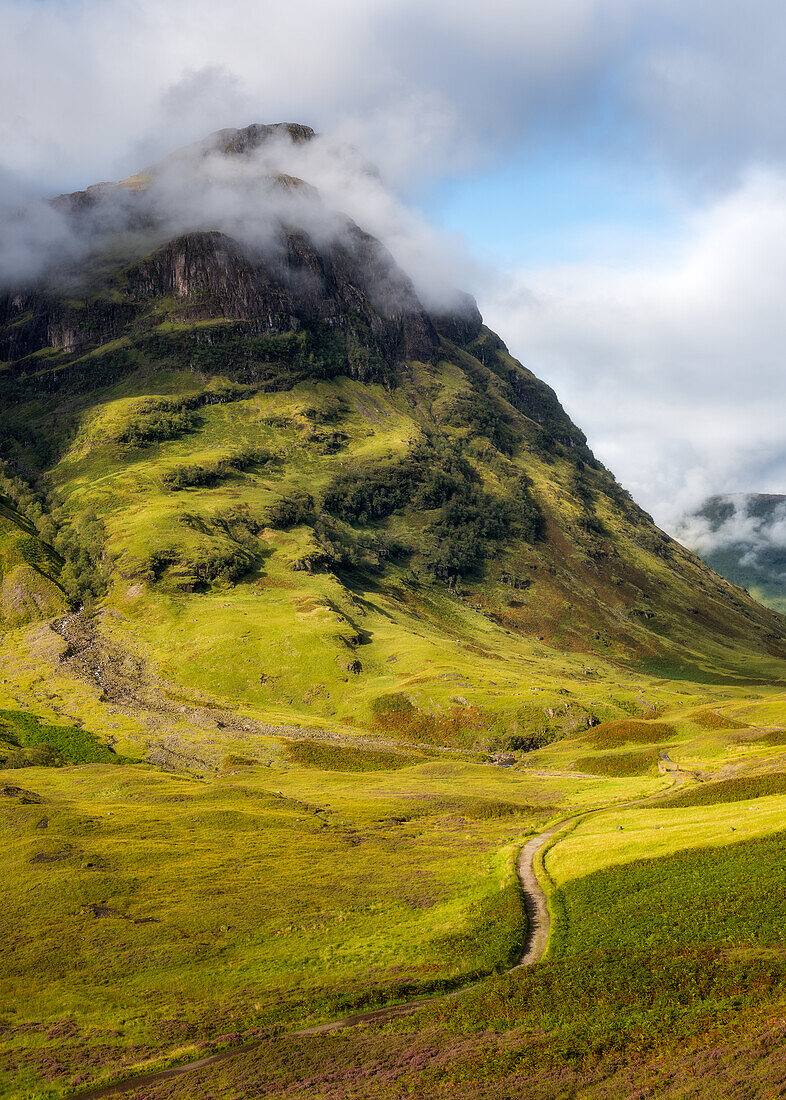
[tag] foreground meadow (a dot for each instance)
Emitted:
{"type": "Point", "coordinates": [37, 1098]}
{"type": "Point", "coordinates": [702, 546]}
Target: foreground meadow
{"type": "Point", "coordinates": [150, 917]}
{"type": "Point", "coordinates": [665, 977]}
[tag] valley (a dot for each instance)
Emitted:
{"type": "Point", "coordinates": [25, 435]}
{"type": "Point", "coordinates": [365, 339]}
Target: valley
{"type": "Point", "coordinates": [310, 889]}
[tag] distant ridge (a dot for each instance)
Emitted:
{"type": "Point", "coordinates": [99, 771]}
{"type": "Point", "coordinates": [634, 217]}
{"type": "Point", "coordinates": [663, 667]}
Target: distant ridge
{"type": "Point", "coordinates": [743, 537]}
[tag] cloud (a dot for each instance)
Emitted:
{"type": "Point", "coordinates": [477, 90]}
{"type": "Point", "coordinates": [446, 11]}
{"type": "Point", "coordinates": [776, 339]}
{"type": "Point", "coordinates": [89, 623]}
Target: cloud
{"type": "Point", "coordinates": [425, 86]}
{"type": "Point", "coordinates": [252, 197]}
{"type": "Point", "coordinates": [747, 531]}
{"type": "Point", "coordinates": [709, 85]}
{"type": "Point", "coordinates": [673, 365]}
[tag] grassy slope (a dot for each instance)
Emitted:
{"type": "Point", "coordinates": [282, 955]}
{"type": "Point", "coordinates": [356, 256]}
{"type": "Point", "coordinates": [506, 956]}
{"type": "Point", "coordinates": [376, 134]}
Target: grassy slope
{"type": "Point", "coordinates": [29, 569]}
{"type": "Point", "coordinates": [302, 893]}
{"type": "Point", "coordinates": [513, 654]}
{"type": "Point", "coordinates": [302, 889]}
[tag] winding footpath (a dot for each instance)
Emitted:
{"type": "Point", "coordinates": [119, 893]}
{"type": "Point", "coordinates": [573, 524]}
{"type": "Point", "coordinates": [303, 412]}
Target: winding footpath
{"type": "Point", "coordinates": [538, 923]}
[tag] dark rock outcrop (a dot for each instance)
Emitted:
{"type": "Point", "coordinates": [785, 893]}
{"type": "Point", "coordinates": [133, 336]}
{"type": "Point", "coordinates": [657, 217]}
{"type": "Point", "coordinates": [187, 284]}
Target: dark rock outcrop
{"type": "Point", "coordinates": [351, 286]}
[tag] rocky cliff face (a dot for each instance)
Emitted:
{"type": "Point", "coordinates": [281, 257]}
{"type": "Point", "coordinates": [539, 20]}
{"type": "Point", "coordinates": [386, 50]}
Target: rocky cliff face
{"type": "Point", "coordinates": [344, 286]}
{"type": "Point", "coordinates": [132, 269]}
{"type": "Point", "coordinates": [352, 287]}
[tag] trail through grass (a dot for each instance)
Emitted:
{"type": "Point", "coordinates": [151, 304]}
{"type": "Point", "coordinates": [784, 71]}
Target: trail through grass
{"type": "Point", "coordinates": [300, 898]}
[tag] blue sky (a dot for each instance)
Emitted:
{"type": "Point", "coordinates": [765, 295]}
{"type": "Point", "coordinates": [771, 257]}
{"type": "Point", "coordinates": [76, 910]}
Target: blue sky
{"type": "Point", "coordinates": [546, 207]}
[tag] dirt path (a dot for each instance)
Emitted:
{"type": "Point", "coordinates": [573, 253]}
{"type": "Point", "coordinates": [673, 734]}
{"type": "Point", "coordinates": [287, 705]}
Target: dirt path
{"type": "Point", "coordinates": [536, 907]}
{"type": "Point", "coordinates": [535, 900]}
{"type": "Point", "coordinates": [538, 924]}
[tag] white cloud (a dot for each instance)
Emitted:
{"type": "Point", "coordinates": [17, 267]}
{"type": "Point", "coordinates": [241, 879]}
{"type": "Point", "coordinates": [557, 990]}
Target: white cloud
{"type": "Point", "coordinates": [202, 188]}
{"type": "Point", "coordinates": [751, 529]}
{"type": "Point", "coordinates": [87, 86]}
{"type": "Point", "coordinates": [674, 366]}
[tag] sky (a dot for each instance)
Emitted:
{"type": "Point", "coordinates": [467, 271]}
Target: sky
{"type": "Point", "coordinates": [608, 177]}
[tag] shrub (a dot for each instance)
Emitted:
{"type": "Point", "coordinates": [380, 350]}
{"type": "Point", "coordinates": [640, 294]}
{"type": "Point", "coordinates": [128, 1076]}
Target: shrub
{"type": "Point", "coordinates": [710, 720]}
{"type": "Point", "coordinates": [619, 764]}
{"type": "Point", "coordinates": [488, 809]}
{"type": "Point", "coordinates": [739, 789]}
{"type": "Point", "coordinates": [80, 541]}
{"type": "Point", "coordinates": [317, 350]}
{"type": "Point", "coordinates": [290, 511]}
{"type": "Point", "coordinates": [774, 737]}
{"type": "Point", "coordinates": [713, 896]}
{"type": "Point", "coordinates": [477, 412]}
{"type": "Point", "coordinates": [435, 476]}
{"type": "Point", "coordinates": [610, 735]}
{"type": "Point", "coordinates": [457, 543]}
{"type": "Point", "coordinates": [460, 726]}
{"type": "Point", "coordinates": [157, 420]}
{"type": "Point", "coordinates": [524, 742]}
{"type": "Point", "coordinates": [210, 473]}
{"type": "Point", "coordinates": [341, 758]}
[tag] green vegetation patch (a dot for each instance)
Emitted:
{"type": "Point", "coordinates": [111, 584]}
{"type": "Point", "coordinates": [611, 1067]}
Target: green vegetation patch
{"type": "Point", "coordinates": [476, 412]}
{"type": "Point", "coordinates": [338, 758]}
{"type": "Point", "coordinates": [738, 789]}
{"type": "Point", "coordinates": [489, 921]}
{"type": "Point", "coordinates": [773, 737]}
{"type": "Point", "coordinates": [488, 809]}
{"type": "Point", "coordinates": [69, 549]}
{"type": "Point", "coordinates": [435, 477]}
{"type": "Point", "coordinates": [711, 720]}
{"type": "Point", "coordinates": [687, 672]}
{"type": "Point", "coordinates": [157, 420]}
{"type": "Point", "coordinates": [609, 735]}
{"type": "Point", "coordinates": [28, 741]}
{"type": "Point", "coordinates": [459, 726]}
{"type": "Point", "coordinates": [729, 896]}
{"type": "Point", "coordinates": [279, 361]}
{"type": "Point", "coordinates": [198, 474]}
{"type": "Point", "coordinates": [619, 764]}
{"type": "Point", "coordinates": [573, 1011]}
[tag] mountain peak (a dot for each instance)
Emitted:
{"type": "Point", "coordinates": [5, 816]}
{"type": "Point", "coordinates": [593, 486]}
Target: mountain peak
{"type": "Point", "coordinates": [233, 141]}
{"type": "Point", "coordinates": [250, 137]}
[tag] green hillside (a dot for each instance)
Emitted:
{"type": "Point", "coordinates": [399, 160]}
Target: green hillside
{"type": "Point", "coordinates": [357, 522]}
{"type": "Point", "coordinates": [315, 606]}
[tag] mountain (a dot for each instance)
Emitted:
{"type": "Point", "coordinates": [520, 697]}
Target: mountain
{"type": "Point", "coordinates": [278, 482]}
{"type": "Point", "coordinates": [743, 537]}
{"type": "Point", "coordinates": [321, 627]}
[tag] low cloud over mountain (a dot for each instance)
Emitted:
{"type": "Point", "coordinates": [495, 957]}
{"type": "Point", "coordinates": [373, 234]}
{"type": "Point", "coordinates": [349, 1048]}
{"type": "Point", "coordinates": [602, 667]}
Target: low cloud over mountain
{"type": "Point", "coordinates": [743, 536]}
